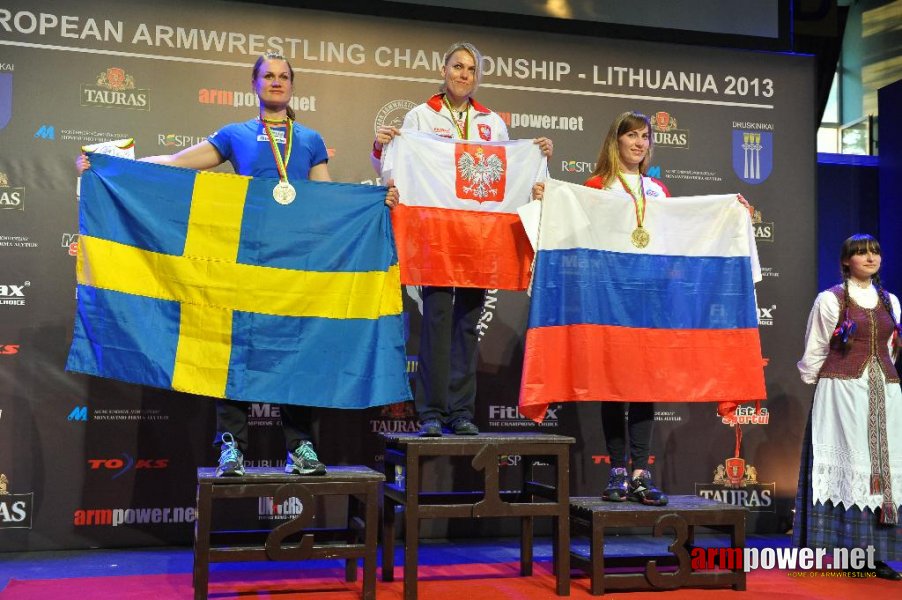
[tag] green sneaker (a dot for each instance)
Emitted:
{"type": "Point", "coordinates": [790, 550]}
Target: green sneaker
{"type": "Point", "coordinates": [303, 461]}
{"type": "Point", "coordinates": [231, 461]}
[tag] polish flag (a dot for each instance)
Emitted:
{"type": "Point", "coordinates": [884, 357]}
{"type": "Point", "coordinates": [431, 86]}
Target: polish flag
{"type": "Point", "coordinates": [457, 223]}
{"type": "Point", "coordinates": [673, 321]}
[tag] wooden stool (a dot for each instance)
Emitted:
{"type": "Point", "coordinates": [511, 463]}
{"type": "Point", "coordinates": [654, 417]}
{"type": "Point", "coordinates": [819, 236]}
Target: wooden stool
{"type": "Point", "coordinates": [358, 540]}
{"type": "Point", "coordinates": [591, 516]}
{"type": "Point", "coordinates": [534, 499]}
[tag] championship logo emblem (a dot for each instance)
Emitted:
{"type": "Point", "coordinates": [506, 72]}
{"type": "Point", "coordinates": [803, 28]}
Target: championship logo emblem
{"type": "Point", "coordinates": [481, 172]}
{"type": "Point", "coordinates": [753, 155]}
{"type": "Point", "coordinates": [392, 114]}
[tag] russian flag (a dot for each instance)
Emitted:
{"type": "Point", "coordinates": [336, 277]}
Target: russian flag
{"type": "Point", "coordinates": [457, 222]}
{"type": "Point", "coordinates": [675, 321]}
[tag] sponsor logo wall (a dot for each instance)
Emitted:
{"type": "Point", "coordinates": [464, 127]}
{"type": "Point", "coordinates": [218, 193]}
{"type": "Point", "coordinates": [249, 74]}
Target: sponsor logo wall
{"type": "Point", "coordinates": [105, 70]}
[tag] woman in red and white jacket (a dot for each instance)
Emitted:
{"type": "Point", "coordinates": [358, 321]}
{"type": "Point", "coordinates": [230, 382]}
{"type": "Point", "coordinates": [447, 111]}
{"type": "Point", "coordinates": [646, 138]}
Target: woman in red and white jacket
{"type": "Point", "coordinates": [446, 378]}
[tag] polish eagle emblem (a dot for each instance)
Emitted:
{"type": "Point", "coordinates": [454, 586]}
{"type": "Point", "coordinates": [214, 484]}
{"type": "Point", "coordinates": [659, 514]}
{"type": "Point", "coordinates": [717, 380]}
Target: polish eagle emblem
{"type": "Point", "coordinates": [481, 171]}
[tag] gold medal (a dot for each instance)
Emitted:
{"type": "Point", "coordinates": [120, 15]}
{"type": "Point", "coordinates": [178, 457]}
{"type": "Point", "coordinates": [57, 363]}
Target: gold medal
{"type": "Point", "coordinates": [640, 237]}
{"type": "Point", "coordinates": [284, 193]}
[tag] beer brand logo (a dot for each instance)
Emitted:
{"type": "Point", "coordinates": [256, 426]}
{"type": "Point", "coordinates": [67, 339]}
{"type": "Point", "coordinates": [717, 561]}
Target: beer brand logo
{"type": "Point", "coordinates": [662, 121]}
{"type": "Point", "coordinates": [15, 509]}
{"type": "Point", "coordinates": [398, 410]}
{"type": "Point", "coordinates": [764, 230]}
{"type": "Point", "coordinates": [115, 78]}
{"type": "Point", "coordinates": [115, 88]}
{"type": "Point", "coordinates": [736, 482]}
{"type": "Point", "coordinates": [753, 153]}
{"type": "Point", "coordinates": [399, 417]}
{"type": "Point", "coordinates": [666, 133]}
{"type": "Point", "coordinates": [735, 473]}
{"type": "Point", "coordinates": [481, 172]}
{"type": "Point", "coordinates": [11, 198]}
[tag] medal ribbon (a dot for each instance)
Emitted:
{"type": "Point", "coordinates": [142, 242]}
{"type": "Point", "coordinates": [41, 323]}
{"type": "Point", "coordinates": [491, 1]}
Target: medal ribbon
{"type": "Point", "coordinates": [462, 133]}
{"type": "Point", "coordinates": [281, 165]}
{"type": "Point", "coordinates": [640, 213]}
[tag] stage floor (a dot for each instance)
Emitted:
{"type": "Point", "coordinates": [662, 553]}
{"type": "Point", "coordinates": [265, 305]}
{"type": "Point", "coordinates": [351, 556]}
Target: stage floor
{"type": "Point", "coordinates": [459, 553]}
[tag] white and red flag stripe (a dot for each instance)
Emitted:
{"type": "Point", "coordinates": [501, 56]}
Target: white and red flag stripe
{"type": "Point", "coordinates": [457, 222]}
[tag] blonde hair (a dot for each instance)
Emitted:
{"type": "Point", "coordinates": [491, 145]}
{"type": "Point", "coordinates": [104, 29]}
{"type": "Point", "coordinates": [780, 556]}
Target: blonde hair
{"type": "Point", "coordinates": [608, 163]}
{"type": "Point", "coordinates": [471, 49]}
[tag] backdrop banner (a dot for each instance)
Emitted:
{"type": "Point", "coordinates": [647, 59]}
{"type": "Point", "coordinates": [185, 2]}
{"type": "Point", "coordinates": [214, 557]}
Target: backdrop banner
{"type": "Point", "coordinates": [90, 462]}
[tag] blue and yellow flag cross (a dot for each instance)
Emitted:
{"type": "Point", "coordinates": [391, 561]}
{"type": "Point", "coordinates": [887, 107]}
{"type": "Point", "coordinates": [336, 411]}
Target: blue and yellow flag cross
{"type": "Point", "coordinates": [231, 294]}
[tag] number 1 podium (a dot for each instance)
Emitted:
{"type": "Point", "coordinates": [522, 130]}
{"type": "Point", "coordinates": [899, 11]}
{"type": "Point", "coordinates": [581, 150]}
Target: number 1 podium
{"type": "Point", "coordinates": [533, 499]}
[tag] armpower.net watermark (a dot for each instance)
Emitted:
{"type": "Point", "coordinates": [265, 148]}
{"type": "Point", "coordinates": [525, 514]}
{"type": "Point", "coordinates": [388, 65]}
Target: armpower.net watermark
{"type": "Point", "coordinates": [800, 562]}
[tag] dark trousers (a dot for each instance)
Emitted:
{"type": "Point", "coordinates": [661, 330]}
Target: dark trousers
{"type": "Point", "coordinates": [231, 417]}
{"type": "Point", "coordinates": [446, 375]}
{"type": "Point", "coordinates": [639, 423]}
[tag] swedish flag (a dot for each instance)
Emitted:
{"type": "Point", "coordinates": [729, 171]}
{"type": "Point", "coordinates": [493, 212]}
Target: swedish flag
{"type": "Point", "coordinates": [200, 282]}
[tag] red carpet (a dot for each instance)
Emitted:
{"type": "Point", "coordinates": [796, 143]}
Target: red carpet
{"type": "Point", "coordinates": [473, 581]}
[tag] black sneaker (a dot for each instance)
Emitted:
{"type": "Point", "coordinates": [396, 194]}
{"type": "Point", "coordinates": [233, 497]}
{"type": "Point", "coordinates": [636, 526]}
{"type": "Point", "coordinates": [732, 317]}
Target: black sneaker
{"type": "Point", "coordinates": [303, 461]}
{"type": "Point", "coordinates": [430, 428]}
{"type": "Point", "coordinates": [231, 461]}
{"type": "Point", "coordinates": [884, 571]}
{"type": "Point", "coordinates": [463, 426]}
{"type": "Point", "coordinates": [618, 488]}
{"type": "Point", "coordinates": [643, 490]}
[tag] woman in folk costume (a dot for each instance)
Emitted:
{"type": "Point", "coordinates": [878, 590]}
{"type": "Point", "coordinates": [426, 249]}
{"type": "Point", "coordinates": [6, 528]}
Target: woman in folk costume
{"type": "Point", "coordinates": [446, 377]}
{"type": "Point", "coordinates": [850, 476]}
